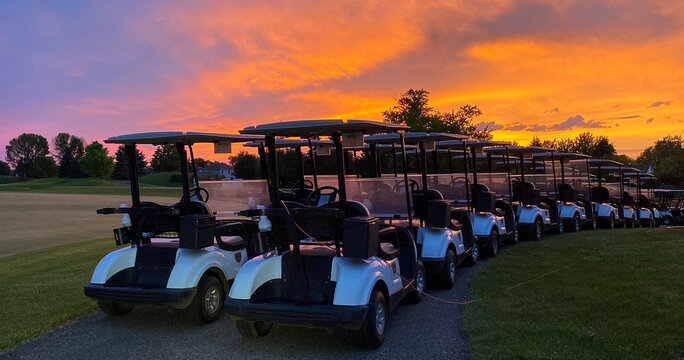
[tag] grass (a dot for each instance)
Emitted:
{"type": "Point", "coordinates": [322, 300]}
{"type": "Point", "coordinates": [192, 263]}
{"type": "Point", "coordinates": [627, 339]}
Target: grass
{"type": "Point", "coordinates": [6, 179]}
{"type": "Point", "coordinates": [43, 289]}
{"type": "Point", "coordinates": [86, 186]}
{"type": "Point", "coordinates": [604, 295]}
{"type": "Point", "coordinates": [161, 179]}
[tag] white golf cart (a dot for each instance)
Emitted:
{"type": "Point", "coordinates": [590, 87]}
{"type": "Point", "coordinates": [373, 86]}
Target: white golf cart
{"type": "Point", "coordinates": [492, 214]}
{"type": "Point", "coordinates": [179, 255]}
{"type": "Point", "coordinates": [612, 210]}
{"type": "Point", "coordinates": [646, 211]}
{"type": "Point", "coordinates": [533, 191]}
{"type": "Point", "coordinates": [444, 234]}
{"type": "Point", "coordinates": [574, 198]}
{"type": "Point", "coordinates": [334, 265]}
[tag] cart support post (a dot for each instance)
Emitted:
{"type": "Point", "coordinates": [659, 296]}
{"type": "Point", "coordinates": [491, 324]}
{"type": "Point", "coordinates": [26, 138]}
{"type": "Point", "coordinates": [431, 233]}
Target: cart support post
{"type": "Point", "coordinates": [133, 173]}
{"type": "Point", "coordinates": [339, 154]}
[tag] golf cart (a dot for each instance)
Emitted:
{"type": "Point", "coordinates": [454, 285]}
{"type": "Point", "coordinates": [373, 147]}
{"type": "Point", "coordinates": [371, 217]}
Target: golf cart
{"type": "Point", "coordinates": [574, 198]}
{"type": "Point", "coordinates": [533, 194]}
{"type": "Point", "coordinates": [493, 215]}
{"type": "Point", "coordinates": [335, 265]}
{"type": "Point", "coordinates": [444, 234]}
{"type": "Point", "coordinates": [612, 210]}
{"type": "Point", "coordinates": [178, 255]}
{"type": "Point", "coordinates": [669, 207]}
{"type": "Point", "coordinates": [646, 211]}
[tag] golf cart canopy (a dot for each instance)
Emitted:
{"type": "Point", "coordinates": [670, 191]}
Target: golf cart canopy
{"type": "Point", "coordinates": [478, 144]}
{"type": "Point", "coordinates": [603, 162]}
{"type": "Point", "coordinates": [561, 155]}
{"type": "Point", "coordinates": [174, 137]}
{"type": "Point", "coordinates": [621, 169]}
{"type": "Point", "coordinates": [412, 137]}
{"type": "Point", "coordinates": [527, 151]}
{"type": "Point", "coordinates": [312, 128]}
{"type": "Point", "coordinates": [290, 143]}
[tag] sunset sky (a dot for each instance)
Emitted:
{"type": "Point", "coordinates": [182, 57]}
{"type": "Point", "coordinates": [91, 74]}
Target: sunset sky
{"type": "Point", "coordinates": [535, 68]}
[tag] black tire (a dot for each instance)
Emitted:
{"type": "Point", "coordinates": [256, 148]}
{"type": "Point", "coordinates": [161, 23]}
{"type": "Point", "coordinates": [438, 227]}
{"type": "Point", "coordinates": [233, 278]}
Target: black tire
{"type": "Point", "coordinates": [208, 301]}
{"type": "Point", "coordinates": [493, 248]}
{"type": "Point", "coordinates": [561, 226]}
{"type": "Point", "coordinates": [474, 253]}
{"type": "Point", "coordinates": [447, 276]}
{"type": "Point", "coordinates": [112, 308]}
{"type": "Point", "coordinates": [253, 329]}
{"type": "Point", "coordinates": [372, 331]}
{"type": "Point", "coordinates": [537, 231]}
{"type": "Point", "coordinates": [576, 224]}
{"type": "Point", "coordinates": [419, 283]}
{"type": "Point", "coordinates": [516, 236]}
{"type": "Point", "coordinates": [594, 222]}
{"type": "Point", "coordinates": [611, 221]}
{"type": "Point", "coordinates": [667, 221]}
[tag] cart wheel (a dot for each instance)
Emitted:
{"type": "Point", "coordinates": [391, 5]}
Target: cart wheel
{"type": "Point", "coordinates": [493, 248]}
{"type": "Point", "coordinates": [419, 283]}
{"type": "Point", "coordinates": [561, 226]}
{"type": "Point", "coordinates": [537, 231]}
{"type": "Point", "coordinates": [667, 221]}
{"type": "Point", "coordinates": [253, 329]}
{"type": "Point", "coordinates": [208, 300]}
{"type": "Point", "coordinates": [474, 253]}
{"type": "Point", "coordinates": [447, 277]}
{"type": "Point", "coordinates": [112, 308]}
{"type": "Point", "coordinates": [576, 226]}
{"type": "Point", "coordinates": [611, 221]}
{"type": "Point", "coordinates": [594, 222]}
{"type": "Point", "coordinates": [372, 331]}
{"type": "Point", "coordinates": [516, 234]}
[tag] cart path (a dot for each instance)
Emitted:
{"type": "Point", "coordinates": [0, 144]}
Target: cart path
{"type": "Point", "coordinates": [428, 330]}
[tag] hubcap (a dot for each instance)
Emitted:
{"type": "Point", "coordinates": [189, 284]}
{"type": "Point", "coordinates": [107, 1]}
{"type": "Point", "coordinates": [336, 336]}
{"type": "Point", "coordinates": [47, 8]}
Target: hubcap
{"type": "Point", "coordinates": [452, 269]}
{"type": "Point", "coordinates": [420, 281]}
{"type": "Point", "coordinates": [594, 223]}
{"type": "Point", "coordinates": [539, 231]}
{"type": "Point", "coordinates": [212, 299]}
{"type": "Point", "coordinates": [561, 226]}
{"type": "Point", "coordinates": [380, 319]}
{"type": "Point", "coordinates": [577, 225]}
{"type": "Point", "coordinates": [476, 251]}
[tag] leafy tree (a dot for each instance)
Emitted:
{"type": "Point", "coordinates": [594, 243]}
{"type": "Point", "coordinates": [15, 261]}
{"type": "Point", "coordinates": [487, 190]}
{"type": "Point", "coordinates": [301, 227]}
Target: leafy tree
{"type": "Point", "coordinates": [165, 158]}
{"type": "Point", "coordinates": [670, 170]}
{"type": "Point", "coordinates": [43, 166]}
{"type": "Point", "coordinates": [121, 166]}
{"type": "Point", "coordinates": [23, 150]}
{"type": "Point", "coordinates": [414, 111]}
{"type": "Point", "coordinates": [5, 168]}
{"type": "Point", "coordinates": [67, 150]}
{"type": "Point", "coordinates": [245, 165]}
{"type": "Point", "coordinates": [96, 162]}
{"type": "Point", "coordinates": [202, 163]}
{"type": "Point", "coordinates": [667, 158]}
{"type": "Point", "coordinates": [586, 143]}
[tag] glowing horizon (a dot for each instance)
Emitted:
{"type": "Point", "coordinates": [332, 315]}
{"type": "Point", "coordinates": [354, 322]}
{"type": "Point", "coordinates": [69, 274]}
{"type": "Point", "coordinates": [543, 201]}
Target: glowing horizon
{"type": "Point", "coordinates": [535, 68]}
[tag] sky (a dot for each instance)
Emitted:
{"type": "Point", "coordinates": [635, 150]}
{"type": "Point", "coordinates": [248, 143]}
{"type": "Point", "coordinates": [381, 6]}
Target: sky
{"type": "Point", "coordinates": [542, 68]}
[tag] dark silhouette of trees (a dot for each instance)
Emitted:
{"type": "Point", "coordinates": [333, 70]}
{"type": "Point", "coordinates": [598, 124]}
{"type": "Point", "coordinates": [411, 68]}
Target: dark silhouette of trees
{"type": "Point", "coordinates": [96, 162]}
{"type": "Point", "coordinates": [121, 166]}
{"type": "Point", "coordinates": [67, 149]}
{"type": "Point", "coordinates": [24, 150]}
{"type": "Point", "coordinates": [165, 158]}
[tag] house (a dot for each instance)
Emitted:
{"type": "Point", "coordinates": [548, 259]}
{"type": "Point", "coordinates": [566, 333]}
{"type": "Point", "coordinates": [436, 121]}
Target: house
{"type": "Point", "coordinates": [645, 168]}
{"type": "Point", "coordinates": [219, 168]}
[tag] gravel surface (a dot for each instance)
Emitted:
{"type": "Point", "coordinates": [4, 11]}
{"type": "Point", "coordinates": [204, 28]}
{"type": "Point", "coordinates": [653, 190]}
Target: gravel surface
{"type": "Point", "coordinates": [428, 330]}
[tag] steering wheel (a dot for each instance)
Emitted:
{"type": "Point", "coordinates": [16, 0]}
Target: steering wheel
{"type": "Point", "coordinates": [316, 195]}
{"type": "Point", "coordinates": [198, 192]}
{"type": "Point", "coordinates": [412, 183]}
{"type": "Point", "coordinates": [306, 184]}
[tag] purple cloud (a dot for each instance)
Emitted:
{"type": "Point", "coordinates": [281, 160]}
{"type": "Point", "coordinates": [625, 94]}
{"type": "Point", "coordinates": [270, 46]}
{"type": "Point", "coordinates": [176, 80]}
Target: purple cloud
{"type": "Point", "coordinates": [624, 117]}
{"type": "Point", "coordinates": [488, 125]}
{"type": "Point", "coordinates": [650, 120]}
{"type": "Point", "coordinates": [576, 121]}
{"type": "Point", "coordinates": [554, 110]}
{"type": "Point", "coordinates": [658, 103]}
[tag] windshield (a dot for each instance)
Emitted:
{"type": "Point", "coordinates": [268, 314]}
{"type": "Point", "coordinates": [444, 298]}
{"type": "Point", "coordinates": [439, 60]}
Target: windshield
{"type": "Point", "coordinates": [227, 197]}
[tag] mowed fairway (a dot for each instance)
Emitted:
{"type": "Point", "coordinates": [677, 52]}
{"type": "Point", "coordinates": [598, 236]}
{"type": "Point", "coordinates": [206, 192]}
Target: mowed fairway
{"type": "Point", "coordinates": [31, 221]}
{"type": "Point", "coordinates": [604, 294]}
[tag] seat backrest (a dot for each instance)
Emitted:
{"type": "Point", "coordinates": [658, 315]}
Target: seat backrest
{"type": "Point", "coordinates": [530, 196]}
{"type": "Point", "coordinates": [421, 198]}
{"type": "Point", "coordinates": [518, 189]}
{"type": "Point", "coordinates": [566, 193]}
{"type": "Point", "coordinates": [644, 201]}
{"type": "Point", "coordinates": [627, 199]}
{"type": "Point", "coordinates": [438, 214]}
{"type": "Point", "coordinates": [600, 194]}
{"type": "Point", "coordinates": [484, 201]}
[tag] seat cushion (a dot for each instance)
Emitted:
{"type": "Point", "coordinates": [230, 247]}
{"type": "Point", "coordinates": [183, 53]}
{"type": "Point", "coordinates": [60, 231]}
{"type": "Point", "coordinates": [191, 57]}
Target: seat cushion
{"type": "Point", "coordinates": [388, 251]}
{"type": "Point", "coordinates": [231, 242]}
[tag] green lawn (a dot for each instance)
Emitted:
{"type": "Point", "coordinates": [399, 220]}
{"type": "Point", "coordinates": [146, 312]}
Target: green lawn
{"type": "Point", "coordinates": [43, 289]}
{"type": "Point", "coordinates": [6, 179]}
{"type": "Point", "coordinates": [86, 186]}
{"type": "Point", "coordinates": [161, 179]}
{"type": "Point", "coordinates": [604, 295]}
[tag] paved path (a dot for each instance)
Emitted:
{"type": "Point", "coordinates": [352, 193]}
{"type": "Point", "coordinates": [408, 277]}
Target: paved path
{"type": "Point", "coordinates": [428, 330]}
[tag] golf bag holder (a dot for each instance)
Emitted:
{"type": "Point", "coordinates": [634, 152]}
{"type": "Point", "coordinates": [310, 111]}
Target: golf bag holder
{"type": "Point", "coordinates": [197, 231]}
{"type": "Point", "coordinates": [484, 201]}
{"type": "Point", "coordinates": [627, 199]}
{"type": "Point", "coordinates": [566, 193]}
{"type": "Point", "coordinates": [600, 194]}
{"type": "Point", "coordinates": [438, 214]}
{"type": "Point", "coordinates": [530, 196]}
{"type": "Point", "coordinates": [360, 239]}
{"type": "Point", "coordinates": [421, 199]}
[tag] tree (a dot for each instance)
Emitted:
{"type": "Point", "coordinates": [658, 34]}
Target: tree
{"type": "Point", "coordinates": [165, 158]}
{"type": "Point", "coordinates": [202, 163]}
{"type": "Point", "coordinates": [43, 166]}
{"type": "Point", "coordinates": [5, 168]}
{"type": "Point", "coordinates": [96, 162]}
{"type": "Point", "coordinates": [414, 111]}
{"type": "Point", "coordinates": [667, 158]}
{"type": "Point", "coordinates": [245, 165]}
{"type": "Point", "coordinates": [121, 166]}
{"type": "Point", "coordinates": [67, 150]}
{"type": "Point", "coordinates": [586, 143]}
{"type": "Point", "coordinates": [23, 150]}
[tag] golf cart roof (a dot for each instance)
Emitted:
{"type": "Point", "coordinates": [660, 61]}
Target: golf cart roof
{"type": "Point", "coordinates": [379, 147]}
{"type": "Point", "coordinates": [561, 155]}
{"type": "Point", "coordinates": [622, 169]}
{"type": "Point", "coordinates": [412, 137]}
{"type": "Point", "coordinates": [172, 137]}
{"type": "Point", "coordinates": [527, 150]}
{"type": "Point", "coordinates": [603, 162]}
{"type": "Point", "coordinates": [290, 143]}
{"type": "Point", "coordinates": [325, 127]}
{"type": "Point", "coordinates": [470, 143]}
